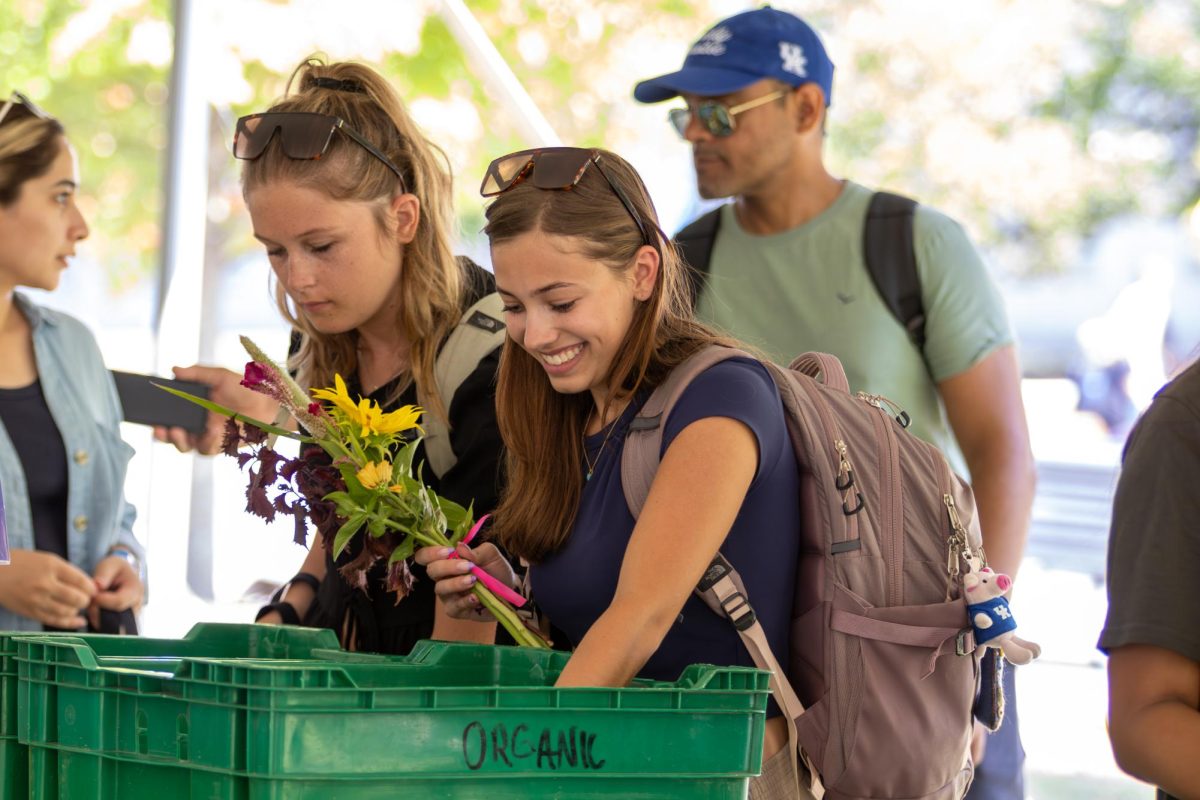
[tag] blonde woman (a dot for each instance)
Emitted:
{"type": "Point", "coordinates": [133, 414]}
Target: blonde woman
{"type": "Point", "coordinates": [353, 206]}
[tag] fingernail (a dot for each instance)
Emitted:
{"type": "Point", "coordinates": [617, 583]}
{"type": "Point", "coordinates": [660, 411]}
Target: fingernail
{"type": "Point", "coordinates": [446, 552]}
{"type": "Point", "coordinates": [471, 582]}
{"type": "Point", "coordinates": [464, 566]}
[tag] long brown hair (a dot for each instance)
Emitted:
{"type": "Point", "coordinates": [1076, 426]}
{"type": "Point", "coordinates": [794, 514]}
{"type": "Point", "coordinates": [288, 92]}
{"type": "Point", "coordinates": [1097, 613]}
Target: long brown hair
{"type": "Point", "coordinates": [431, 280]}
{"type": "Point", "coordinates": [28, 146]}
{"type": "Point", "coordinates": [542, 429]}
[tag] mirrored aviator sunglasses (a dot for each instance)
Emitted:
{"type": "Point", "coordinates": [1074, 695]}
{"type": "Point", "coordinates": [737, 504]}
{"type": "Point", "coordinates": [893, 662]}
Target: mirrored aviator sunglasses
{"type": "Point", "coordinates": [553, 168]}
{"type": "Point", "coordinates": [716, 118]}
{"type": "Point", "coordinates": [303, 135]}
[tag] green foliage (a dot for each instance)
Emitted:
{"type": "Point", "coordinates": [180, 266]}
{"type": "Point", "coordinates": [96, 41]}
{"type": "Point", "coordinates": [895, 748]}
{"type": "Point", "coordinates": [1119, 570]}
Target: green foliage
{"type": "Point", "coordinates": [113, 107]}
{"type": "Point", "coordinates": [1113, 129]}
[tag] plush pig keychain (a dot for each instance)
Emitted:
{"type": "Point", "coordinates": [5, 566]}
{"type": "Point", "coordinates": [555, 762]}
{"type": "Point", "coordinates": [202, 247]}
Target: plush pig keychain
{"type": "Point", "coordinates": [991, 618]}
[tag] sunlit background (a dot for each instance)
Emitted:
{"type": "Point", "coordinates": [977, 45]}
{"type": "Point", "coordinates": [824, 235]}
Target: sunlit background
{"type": "Point", "coordinates": [1063, 133]}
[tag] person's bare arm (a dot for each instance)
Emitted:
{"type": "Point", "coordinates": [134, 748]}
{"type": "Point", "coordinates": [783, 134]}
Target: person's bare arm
{"type": "Point", "coordinates": [695, 498]}
{"type": "Point", "coordinates": [984, 407]}
{"type": "Point", "coordinates": [301, 595]}
{"type": "Point", "coordinates": [1154, 716]}
{"type": "Point", "coordinates": [450, 629]}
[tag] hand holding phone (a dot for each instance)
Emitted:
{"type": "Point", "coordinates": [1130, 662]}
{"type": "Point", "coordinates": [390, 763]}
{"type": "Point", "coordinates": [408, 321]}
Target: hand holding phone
{"type": "Point", "coordinates": [146, 404]}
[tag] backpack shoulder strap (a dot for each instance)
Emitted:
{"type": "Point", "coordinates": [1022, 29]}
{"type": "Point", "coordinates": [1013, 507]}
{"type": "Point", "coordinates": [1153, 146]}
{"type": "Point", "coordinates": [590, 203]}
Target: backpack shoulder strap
{"type": "Point", "coordinates": [478, 333]}
{"type": "Point", "coordinates": [892, 262]}
{"type": "Point", "coordinates": [640, 456]}
{"type": "Point", "coordinates": [695, 243]}
{"type": "Point", "coordinates": [721, 587]}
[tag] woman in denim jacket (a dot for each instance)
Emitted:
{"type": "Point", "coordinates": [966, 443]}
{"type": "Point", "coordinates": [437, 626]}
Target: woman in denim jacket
{"type": "Point", "coordinates": [62, 460]}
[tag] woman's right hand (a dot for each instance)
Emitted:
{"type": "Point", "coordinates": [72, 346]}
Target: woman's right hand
{"type": "Point", "coordinates": [47, 588]}
{"type": "Point", "coordinates": [225, 388]}
{"type": "Point", "coordinates": [453, 579]}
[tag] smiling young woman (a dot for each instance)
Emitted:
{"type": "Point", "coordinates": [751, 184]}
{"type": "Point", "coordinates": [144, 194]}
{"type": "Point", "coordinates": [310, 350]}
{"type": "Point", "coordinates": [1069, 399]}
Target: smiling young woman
{"type": "Point", "coordinates": [597, 317]}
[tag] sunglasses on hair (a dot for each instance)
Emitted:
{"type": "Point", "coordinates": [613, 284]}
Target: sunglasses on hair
{"type": "Point", "coordinates": [303, 135]}
{"type": "Point", "coordinates": [553, 168]}
{"type": "Point", "coordinates": [18, 99]}
{"type": "Point", "coordinates": [717, 118]}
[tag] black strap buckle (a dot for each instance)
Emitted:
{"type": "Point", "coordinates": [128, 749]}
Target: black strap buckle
{"type": "Point", "coordinates": [739, 611]}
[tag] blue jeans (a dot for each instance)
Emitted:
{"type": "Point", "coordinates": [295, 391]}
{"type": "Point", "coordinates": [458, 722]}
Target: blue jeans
{"type": "Point", "coordinates": [1001, 776]}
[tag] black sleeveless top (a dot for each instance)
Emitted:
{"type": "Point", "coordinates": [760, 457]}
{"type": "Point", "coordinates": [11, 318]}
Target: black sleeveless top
{"type": "Point", "coordinates": [378, 623]}
{"type": "Point", "coordinates": [43, 456]}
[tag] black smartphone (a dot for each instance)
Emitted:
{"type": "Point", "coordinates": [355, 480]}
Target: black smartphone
{"type": "Point", "coordinates": [146, 404]}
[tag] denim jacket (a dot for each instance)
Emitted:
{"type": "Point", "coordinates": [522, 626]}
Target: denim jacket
{"type": "Point", "coordinates": [83, 401]}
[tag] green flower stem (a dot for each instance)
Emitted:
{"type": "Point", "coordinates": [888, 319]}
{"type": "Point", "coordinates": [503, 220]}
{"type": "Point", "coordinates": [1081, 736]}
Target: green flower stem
{"type": "Point", "coordinates": [418, 535]}
{"type": "Point", "coordinates": [332, 444]}
{"type": "Point", "coordinates": [508, 618]}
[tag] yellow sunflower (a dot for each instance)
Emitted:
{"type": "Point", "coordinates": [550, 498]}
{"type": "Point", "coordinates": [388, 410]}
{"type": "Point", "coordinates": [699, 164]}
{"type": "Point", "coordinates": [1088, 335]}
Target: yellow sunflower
{"type": "Point", "coordinates": [367, 414]}
{"type": "Point", "coordinates": [340, 397]}
{"type": "Point", "coordinates": [374, 474]}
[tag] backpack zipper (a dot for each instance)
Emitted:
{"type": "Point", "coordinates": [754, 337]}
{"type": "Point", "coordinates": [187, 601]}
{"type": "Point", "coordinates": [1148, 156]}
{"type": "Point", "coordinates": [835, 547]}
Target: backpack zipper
{"type": "Point", "coordinates": [852, 499]}
{"type": "Point", "coordinates": [892, 513]}
{"type": "Point", "coordinates": [841, 456]}
{"type": "Point", "coordinates": [958, 547]}
{"type": "Point", "coordinates": [890, 407]}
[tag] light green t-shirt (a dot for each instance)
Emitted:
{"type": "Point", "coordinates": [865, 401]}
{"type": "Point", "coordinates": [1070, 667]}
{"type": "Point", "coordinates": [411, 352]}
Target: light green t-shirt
{"type": "Point", "coordinates": [808, 289]}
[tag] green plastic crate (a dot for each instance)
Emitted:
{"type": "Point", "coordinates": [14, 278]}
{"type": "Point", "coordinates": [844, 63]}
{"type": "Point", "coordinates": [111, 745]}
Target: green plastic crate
{"type": "Point", "coordinates": [13, 756]}
{"type": "Point", "coordinates": [206, 639]}
{"type": "Point", "coordinates": [449, 721]}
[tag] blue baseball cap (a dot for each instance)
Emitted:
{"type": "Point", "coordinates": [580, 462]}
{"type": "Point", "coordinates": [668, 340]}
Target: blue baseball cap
{"type": "Point", "coordinates": [747, 47]}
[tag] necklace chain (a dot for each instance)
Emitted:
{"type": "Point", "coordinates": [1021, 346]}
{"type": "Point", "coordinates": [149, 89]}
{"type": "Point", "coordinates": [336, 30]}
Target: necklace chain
{"type": "Point", "coordinates": [591, 465]}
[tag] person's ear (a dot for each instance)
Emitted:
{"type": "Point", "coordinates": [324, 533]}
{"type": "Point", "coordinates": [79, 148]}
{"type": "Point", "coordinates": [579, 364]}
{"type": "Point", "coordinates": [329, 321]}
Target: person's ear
{"type": "Point", "coordinates": [809, 103]}
{"type": "Point", "coordinates": [404, 214]}
{"type": "Point", "coordinates": [645, 272]}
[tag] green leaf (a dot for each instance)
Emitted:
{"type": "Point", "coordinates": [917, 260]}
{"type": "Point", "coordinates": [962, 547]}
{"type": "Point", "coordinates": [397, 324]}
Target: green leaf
{"type": "Point", "coordinates": [217, 408]}
{"type": "Point", "coordinates": [346, 505]}
{"type": "Point", "coordinates": [402, 462]}
{"type": "Point", "coordinates": [402, 551]}
{"type": "Point", "coordinates": [454, 513]}
{"type": "Point", "coordinates": [346, 532]}
{"type": "Point", "coordinates": [377, 526]}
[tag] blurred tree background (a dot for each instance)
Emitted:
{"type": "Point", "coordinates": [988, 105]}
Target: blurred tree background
{"type": "Point", "coordinates": [1034, 122]}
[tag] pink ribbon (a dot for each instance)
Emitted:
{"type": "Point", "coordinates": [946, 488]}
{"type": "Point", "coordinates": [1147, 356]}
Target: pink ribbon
{"type": "Point", "coordinates": [497, 588]}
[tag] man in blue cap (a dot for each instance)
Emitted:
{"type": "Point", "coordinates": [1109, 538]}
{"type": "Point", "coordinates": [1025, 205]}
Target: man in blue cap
{"type": "Point", "coordinates": [904, 301]}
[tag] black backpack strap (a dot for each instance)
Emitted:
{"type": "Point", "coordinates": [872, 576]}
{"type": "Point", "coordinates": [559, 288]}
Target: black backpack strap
{"type": "Point", "coordinates": [892, 262]}
{"type": "Point", "coordinates": [695, 244]}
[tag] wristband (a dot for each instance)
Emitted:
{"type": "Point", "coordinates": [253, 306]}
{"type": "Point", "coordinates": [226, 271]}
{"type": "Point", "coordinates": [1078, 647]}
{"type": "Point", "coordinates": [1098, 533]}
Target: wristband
{"type": "Point", "coordinates": [307, 578]}
{"type": "Point", "coordinates": [287, 613]}
{"type": "Point", "coordinates": [128, 556]}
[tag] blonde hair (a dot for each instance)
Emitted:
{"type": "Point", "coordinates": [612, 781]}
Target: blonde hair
{"type": "Point", "coordinates": [543, 429]}
{"type": "Point", "coordinates": [28, 146]}
{"type": "Point", "coordinates": [431, 281]}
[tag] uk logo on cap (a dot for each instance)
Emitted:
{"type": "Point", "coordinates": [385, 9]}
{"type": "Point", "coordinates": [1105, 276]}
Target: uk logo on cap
{"type": "Point", "coordinates": [793, 58]}
{"type": "Point", "coordinates": [743, 49]}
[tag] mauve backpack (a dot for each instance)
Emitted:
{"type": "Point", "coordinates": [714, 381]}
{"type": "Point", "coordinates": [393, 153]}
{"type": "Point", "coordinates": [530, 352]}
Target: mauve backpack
{"type": "Point", "coordinates": [882, 671]}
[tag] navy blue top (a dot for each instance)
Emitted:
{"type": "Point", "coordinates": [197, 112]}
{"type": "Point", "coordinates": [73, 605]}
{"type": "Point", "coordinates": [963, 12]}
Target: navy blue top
{"type": "Point", "coordinates": [576, 584]}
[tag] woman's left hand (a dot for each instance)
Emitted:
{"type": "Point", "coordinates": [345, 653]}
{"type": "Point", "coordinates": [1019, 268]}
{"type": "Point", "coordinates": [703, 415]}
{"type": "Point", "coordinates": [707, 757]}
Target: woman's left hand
{"type": "Point", "coordinates": [119, 588]}
{"type": "Point", "coordinates": [453, 581]}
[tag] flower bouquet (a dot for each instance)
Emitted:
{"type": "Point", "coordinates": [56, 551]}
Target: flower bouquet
{"type": "Point", "coordinates": [354, 476]}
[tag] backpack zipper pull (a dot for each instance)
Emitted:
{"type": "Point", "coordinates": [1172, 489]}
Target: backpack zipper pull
{"type": "Point", "coordinates": [846, 485]}
{"type": "Point", "coordinates": [958, 546]}
{"type": "Point", "coordinates": [887, 406]}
